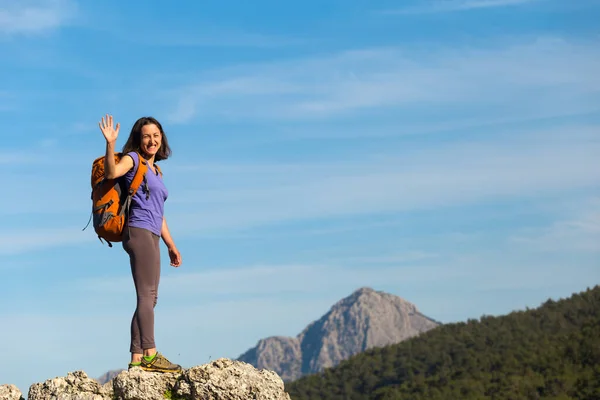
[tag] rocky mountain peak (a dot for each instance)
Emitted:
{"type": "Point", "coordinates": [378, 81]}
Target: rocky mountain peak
{"type": "Point", "coordinates": [367, 299]}
{"type": "Point", "coordinates": [366, 318]}
{"type": "Point", "coordinates": [361, 294]}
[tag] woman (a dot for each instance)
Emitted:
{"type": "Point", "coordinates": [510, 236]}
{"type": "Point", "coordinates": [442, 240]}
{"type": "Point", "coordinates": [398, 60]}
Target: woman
{"type": "Point", "coordinates": [146, 226]}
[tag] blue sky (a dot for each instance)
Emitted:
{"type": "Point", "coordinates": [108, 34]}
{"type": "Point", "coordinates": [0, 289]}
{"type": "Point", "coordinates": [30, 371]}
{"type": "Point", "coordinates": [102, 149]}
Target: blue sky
{"type": "Point", "coordinates": [442, 151]}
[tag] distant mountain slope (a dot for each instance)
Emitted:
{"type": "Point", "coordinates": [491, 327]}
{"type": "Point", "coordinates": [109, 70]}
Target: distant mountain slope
{"type": "Point", "coordinates": [552, 352]}
{"type": "Point", "coordinates": [363, 320]}
{"type": "Point", "coordinates": [107, 376]}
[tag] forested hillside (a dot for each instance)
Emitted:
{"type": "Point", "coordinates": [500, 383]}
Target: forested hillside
{"type": "Point", "coordinates": [552, 352]}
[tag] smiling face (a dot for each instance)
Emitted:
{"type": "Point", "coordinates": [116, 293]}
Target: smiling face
{"type": "Point", "coordinates": [151, 139]}
{"type": "Point", "coordinates": [148, 138]}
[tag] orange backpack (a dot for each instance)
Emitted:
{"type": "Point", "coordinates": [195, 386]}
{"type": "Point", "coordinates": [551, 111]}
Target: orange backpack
{"type": "Point", "coordinates": [111, 199]}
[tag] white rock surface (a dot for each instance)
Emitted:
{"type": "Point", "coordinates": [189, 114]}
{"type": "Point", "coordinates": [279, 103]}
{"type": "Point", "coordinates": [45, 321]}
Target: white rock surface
{"type": "Point", "coordinates": [10, 392]}
{"type": "Point", "coordinates": [224, 379]}
{"type": "Point", "coordinates": [75, 386]}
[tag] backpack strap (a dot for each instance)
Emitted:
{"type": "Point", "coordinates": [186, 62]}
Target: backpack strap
{"type": "Point", "coordinates": [138, 178]}
{"type": "Point", "coordinates": [139, 175]}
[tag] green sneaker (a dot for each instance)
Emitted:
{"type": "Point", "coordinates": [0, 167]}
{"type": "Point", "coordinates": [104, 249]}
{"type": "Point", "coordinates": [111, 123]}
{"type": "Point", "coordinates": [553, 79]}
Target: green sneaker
{"type": "Point", "coordinates": [131, 365]}
{"type": "Point", "coordinates": [159, 364]}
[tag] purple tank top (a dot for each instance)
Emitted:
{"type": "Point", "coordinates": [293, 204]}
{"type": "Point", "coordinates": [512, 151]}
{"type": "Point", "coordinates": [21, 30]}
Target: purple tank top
{"type": "Point", "coordinates": [148, 212]}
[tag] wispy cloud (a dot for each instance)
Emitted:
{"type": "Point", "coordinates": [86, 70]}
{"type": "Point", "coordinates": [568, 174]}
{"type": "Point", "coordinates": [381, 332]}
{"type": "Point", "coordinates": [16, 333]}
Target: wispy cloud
{"type": "Point", "coordinates": [483, 122]}
{"type": "Point", "coordinates": [409, 257]}
{"type": "Point", "coordinates": [219, 285]}
{"type": "Point", "coordinates": [35, 154]}
{"type": "Point", "coordinates": [460, 173]}
{"type": "Point", "coordinates": [579, 232]}
{"type": "Point", "coordinates": [528, 76]}
{"type": "Point", "coordinates": [168, 33]}
{"type": "Point", "coordinates": [30, 16]}
{"type": "Point", "coordinates": [273, 280]}
{"type": "Point", "coordinates": [16, 158]}
{"type": "Point", "coordinates": [26, 241]}
{"type": "Point", "coordinates": [456, 5]}
{"type": "Point", "coordinates": [218, 38]}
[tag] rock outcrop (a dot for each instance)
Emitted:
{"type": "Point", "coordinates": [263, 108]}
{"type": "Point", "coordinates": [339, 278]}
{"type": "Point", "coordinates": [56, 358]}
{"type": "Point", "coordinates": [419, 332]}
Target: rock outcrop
{"type": "Point", "coordinates": [365, 319]}
{"type": "Point", "coordinates": [230, 380]}
{"type": "Point", "coordinates": [10, 392]}
{"type": "Point", "coordinates": [222, 379]}
{"type": "Point", "coordinates": [76, 385]}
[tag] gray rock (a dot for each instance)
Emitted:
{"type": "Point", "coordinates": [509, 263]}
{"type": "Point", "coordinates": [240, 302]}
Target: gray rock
{"type": "Point", "coordinates": [75, 386]}
{"type": "Point", "coordinates": [137, 384]}
{"type": "Point", "coordinates": [10, 392]}
{"type": "Point", "coordinates": [224, 379]}
{"type": "Point", "coordinates": [363, 320]}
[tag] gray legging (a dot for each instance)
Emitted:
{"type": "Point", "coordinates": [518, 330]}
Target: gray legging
{"type": "Point", "coordinates": [144, 254]}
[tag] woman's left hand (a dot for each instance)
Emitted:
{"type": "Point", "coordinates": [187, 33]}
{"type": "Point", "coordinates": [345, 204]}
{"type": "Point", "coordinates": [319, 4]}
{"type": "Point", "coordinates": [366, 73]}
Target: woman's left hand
{"type": "Point", "coordinates": [175, 257]}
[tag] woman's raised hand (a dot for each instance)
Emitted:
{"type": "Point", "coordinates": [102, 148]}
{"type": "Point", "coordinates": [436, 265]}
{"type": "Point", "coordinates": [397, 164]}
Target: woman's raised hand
{"type": "Point", "coordinates": [110, 133]}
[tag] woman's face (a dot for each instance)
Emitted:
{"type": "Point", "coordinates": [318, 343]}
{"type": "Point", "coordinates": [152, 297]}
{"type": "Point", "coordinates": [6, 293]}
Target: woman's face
{"type": "Point", "coordinates": [151, 140]}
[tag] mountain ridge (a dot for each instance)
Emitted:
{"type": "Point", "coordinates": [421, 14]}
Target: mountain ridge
{"type": "Point", "coordinates": [365, 319]}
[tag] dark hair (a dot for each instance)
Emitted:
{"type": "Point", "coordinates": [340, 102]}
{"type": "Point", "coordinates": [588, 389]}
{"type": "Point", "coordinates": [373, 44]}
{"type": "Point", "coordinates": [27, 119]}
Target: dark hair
{"type": "Point", "coordinates": [135, 139]}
